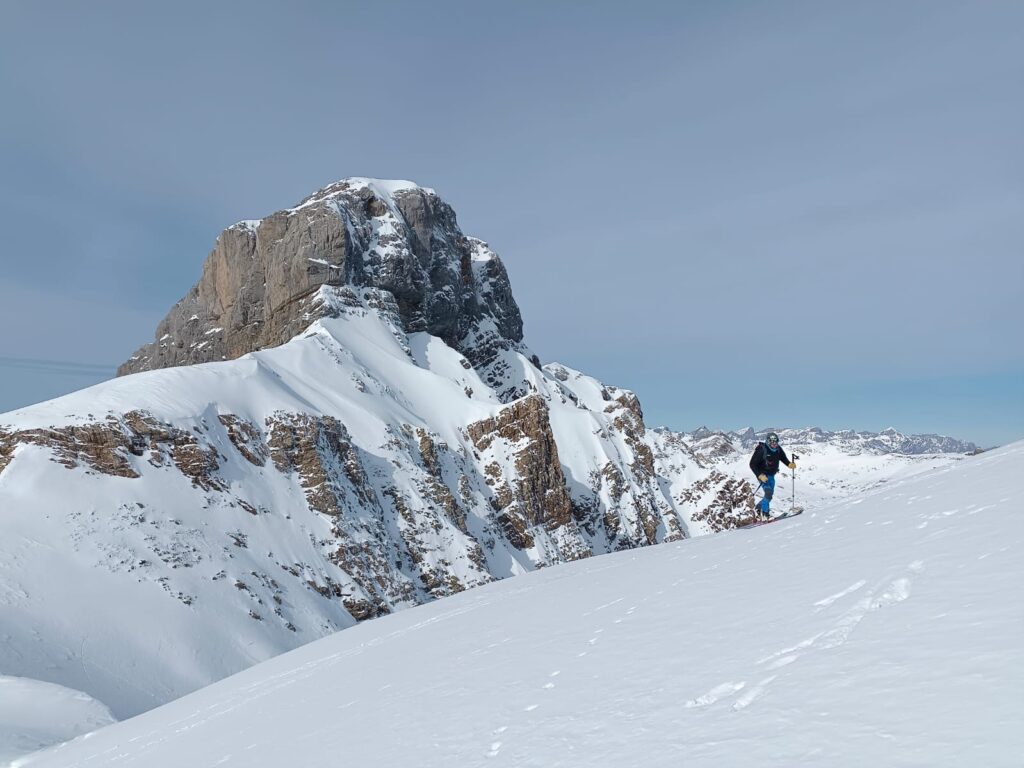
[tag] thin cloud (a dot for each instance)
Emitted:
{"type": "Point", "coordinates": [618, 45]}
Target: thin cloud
{"type": "Point", "coordinates": [58, 367]}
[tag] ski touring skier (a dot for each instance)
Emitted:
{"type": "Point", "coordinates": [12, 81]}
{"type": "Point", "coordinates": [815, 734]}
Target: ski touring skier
{"type": "Point", "coordinates": [768, 455]}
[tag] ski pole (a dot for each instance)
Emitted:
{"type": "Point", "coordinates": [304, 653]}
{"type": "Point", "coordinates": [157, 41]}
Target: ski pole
{"type": "Point", "coordinates": [760, 489]}
{"type": "Point", "coordinates": [792, 498]}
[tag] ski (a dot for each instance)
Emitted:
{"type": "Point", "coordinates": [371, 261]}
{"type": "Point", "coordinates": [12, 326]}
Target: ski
{"type": "Point", "coordinates": [792, 513]}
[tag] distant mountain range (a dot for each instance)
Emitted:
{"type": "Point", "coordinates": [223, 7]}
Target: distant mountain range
{"type": "Point", "coordinates": [888, 441]}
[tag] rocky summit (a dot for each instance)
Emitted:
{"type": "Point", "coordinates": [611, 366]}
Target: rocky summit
{"type": "Point", "coordinates": [340, 420]}
{"type": "Point", "coordinates": [259, 283]}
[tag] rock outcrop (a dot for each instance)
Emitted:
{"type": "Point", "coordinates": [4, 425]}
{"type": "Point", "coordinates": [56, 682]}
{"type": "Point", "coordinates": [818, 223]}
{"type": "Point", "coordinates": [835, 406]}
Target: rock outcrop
{"type": "Point", "coordinates": [106, 447]}
{"type": "Point", "coordinates": [537, 494]}
{"type": "Point", "coordinates": [259, 283]}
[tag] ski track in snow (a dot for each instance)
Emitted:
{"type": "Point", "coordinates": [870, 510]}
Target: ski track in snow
{"type": "Point", "coordinates": [756, 692]}
{"type": "Point", "coordinates": [887, 592]}
{"type": "Point", "coordinates": [719, 691]}
{"type": "Point", "coordinates": [826, 602]}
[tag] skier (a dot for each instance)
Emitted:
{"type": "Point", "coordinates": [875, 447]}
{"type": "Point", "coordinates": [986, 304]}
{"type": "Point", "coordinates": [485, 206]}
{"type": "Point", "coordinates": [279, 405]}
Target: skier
{"type": "Point", "coordinates": [765, 463]}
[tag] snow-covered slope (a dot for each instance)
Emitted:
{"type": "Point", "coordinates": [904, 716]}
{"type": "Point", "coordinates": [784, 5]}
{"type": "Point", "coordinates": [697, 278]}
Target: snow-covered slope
{"type": "Point", "coordinates": [164, 530]}
{"type": "Point", "coordinates": [832, 465]}
{"type": "Point", "coordinates": [885, 630]}
{"type": "Point", "coordinates": [169, 528]}
{"type": "Point", "coordinates": [34, 715]}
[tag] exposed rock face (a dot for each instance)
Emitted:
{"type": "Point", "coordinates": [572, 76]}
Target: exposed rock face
{"type": "Point", "coordinates": [258, 283]}
{"type": "Point", "coordinates": [246, 437]}
{"type": "Point", "coordinates": [538, 495]}
{"type": "Point", "coordinates": [102, 447]}
{"type": "Point", "coordinates": [106, 447]}
{"type": "Point", "coordinates": [382, 570]}
{"type": "Point", "coordinates": [630, 421]}
{"type": "Point", "coordinates": [720, 501]}
{"type": "Point", "coordinates": [313, 446]}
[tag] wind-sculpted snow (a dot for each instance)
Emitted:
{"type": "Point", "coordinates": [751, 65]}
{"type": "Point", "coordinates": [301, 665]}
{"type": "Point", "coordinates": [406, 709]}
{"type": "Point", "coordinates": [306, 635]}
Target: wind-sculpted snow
{"type": "Point", "coordinates": [884, 632]}
{"type": "Point", "coordinates": [34, 715]}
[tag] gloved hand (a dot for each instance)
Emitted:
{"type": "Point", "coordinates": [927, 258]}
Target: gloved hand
{"type": "Point", "coordinates": [792, 465]}
{"type": "Point", "coordinates": [763, 478]}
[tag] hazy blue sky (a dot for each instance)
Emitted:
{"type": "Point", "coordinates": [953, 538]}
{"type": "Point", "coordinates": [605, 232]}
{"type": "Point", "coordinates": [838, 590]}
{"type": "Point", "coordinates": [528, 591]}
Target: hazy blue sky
{"type": "Point", "coordinates": [785, 213]}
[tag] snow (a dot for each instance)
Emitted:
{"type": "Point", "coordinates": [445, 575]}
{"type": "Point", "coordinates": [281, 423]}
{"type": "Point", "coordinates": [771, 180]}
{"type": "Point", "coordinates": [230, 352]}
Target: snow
{"type": "Point", "coordinates": [82, 554]}
{"type": "Point", "coordinates": [388, 187]}
{"type": "Point", "coordinates": [250, 224]}
{"type": "Point", "coordinates": [384, 189]}
{"type": "Point", "coordinates": [140, 591]}
{"type": "Point", "coordinates": [34, 714]}
{"type": "Point", "coordinates": [884, 629]}
{"type": "Point", "coordinates": [827, 473]}
{"type": "Point", "coordinates": [480, 252]}
{"type": "Point", "coordinates": [85, 556]}
{"type": "Point", "coordinates": [290, 377]}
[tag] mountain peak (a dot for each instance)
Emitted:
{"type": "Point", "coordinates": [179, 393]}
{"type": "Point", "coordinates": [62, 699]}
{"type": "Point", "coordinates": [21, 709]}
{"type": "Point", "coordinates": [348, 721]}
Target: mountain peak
{"type": "Point", "coordinates": [385, 188]}
{"type": "Point", "coordinates": [260, 283]}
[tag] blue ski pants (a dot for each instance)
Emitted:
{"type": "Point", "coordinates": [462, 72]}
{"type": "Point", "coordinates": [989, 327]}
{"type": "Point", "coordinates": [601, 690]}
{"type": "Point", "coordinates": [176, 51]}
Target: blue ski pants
{"type": "Point", "coordinates": [769, 490]}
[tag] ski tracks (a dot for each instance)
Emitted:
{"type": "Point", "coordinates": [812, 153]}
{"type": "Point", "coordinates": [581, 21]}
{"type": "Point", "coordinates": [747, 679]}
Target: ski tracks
{"type": "Point", "coordinates": [827, 601]}
{"type": "Point", "coordinates": [887, 592]}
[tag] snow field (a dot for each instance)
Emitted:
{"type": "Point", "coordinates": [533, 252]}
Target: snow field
{"type": "Point", "coordinates": [34, 715]}
{"type": "Point", "coordinates": [880, 630]}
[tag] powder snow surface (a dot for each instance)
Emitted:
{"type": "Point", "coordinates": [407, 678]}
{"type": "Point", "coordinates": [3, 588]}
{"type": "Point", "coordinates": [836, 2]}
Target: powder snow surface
{"type": "Point", "coordinates": [884, 630]}
{"type": "Point", "coordinates": [34, 714]}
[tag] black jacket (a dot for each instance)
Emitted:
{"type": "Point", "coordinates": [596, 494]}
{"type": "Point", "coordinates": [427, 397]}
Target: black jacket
{"type": "Point", "coordinates": [766, 462]}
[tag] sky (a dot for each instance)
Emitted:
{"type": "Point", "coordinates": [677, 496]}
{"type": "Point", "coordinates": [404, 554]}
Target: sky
{"type": "Point", "coordinates": [764, 214]}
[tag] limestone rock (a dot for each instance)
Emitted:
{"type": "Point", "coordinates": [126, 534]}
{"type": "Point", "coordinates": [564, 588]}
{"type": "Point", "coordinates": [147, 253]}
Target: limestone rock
{"type": "Point", "coordinates": [539, 496]}
{"type": "Point", "coordinates": [259, 284]}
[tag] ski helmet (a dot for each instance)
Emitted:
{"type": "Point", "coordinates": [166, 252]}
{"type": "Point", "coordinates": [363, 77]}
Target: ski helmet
{"type": "Point", "coordinates": [772, 439]}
